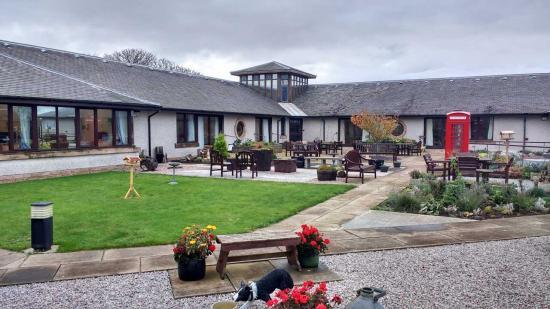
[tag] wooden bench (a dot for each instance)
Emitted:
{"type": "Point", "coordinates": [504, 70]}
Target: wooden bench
{"type": "Point", "coordinates": [256, 240]}
{"type": "Point", "coordinates": [335, 160]}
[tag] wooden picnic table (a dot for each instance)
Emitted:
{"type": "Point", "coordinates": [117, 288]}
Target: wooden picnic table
{"type": "Point", "coordinates": [257, 240]}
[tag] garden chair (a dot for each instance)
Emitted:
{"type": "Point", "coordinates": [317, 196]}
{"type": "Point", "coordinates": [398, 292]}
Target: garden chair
{"type": "Point", "coordinates": [216, 159]}
{"type": "Point", "coordinates": [353, 162]}
{"type": "Point", "coordinates": [433, 166]}
{"type": "Point", "coordinates": [467, 165]}
{"type": "Point", "coordinates": [243, 160]}
{"type": "Point", "coordinates": [502, 171]}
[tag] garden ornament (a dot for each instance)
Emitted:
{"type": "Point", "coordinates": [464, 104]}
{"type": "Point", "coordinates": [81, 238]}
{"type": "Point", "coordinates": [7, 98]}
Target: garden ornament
{"type": "Point", "coordinates": [367, 299]}
{"type": "Point", "coordinates": [261, 289]}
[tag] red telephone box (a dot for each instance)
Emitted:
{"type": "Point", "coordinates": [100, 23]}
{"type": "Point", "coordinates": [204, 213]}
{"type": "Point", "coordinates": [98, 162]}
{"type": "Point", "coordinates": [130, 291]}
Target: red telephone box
{"type": "Point", "coordinates": [457, 133]}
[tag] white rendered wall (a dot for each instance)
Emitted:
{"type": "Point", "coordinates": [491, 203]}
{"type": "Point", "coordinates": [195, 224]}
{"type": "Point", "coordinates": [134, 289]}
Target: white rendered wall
{"type": "Point", "coordinates": [414, 127]}
{"type": "Point", "coordinates": [229, 122]}
{"type": "Point", "coordinates": [41, 165]}
{"type": "Point", "coordinates": [313, 129]}
{"type": "Point", "coordinates": [331, 129]}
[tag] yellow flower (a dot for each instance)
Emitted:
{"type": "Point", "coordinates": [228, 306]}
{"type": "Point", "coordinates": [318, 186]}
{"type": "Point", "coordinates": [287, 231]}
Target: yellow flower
{"type": "Point", "coordinates": [213, 227]}
{"type": "Point", "coordinates": [205, 230]}
{"type": "Point", "coordinates": [192, 242]}
{"type": "Point", "coordinates": [209, 226]}
{"type": "Point", "coordinates": [203, 245]}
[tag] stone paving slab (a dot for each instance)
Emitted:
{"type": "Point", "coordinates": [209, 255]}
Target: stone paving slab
{"type": "Point", "coordinates": [339, 234]}
{"type": "Point", "coordinates": [426, 239]}
{"type": "Point", "coordinates": [10, 258]}
{"type": "Point", "coordinates": [2, 271]}
{"type": "Point", "coordinates": [28, 275]}
{"type": "Point", "coordinates": [96, 269]}
{"type": "Point", "coordinates": [365, 244]}
{"type": "Point", "coordinates": [157, 262]}
{"type": "Point", "coordinates": [323, 273]}
{"type": "Point", "coordinates": [62, 258]}
{"type": "Point", "coordinates": [211, 284]}
{"type": "Point", "coordinates": [246, 272]}
{"type": "Point", "coordinates": [379, 218]}
{"type": "Point", "coordinates": [124, 253]}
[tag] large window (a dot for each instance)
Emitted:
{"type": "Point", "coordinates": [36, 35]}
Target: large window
{"type": "Point", "coordinates": [22, 127]}
{"type": "Point", "coordinates": [263, 129]}
{"type": "Point", "coordinates": [4, 131]}
{"type": "Point", "coordinates": [104, 127]}
{"type": "Point", "coordinates": [47, 127]}
{"type": "Point", "coordinates": [186, 128]}
{"type": "Point", "coordinates": [207, 129]}
{"type": "Point", "coordinates": [67, 127]}
{"type": "Point", "coordinates": [55, 128]}
{"type": "Point", "coordinates": [481, 128]}
{"type": "Point", "coordinates": [87, 128]}
{"type": "Point", "coordinates": [284, 88]}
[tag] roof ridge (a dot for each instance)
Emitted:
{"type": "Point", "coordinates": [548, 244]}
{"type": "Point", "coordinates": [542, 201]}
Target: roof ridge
{"type": "Point", "coordinates": [77, 79]}
{"type": "Point", "coordinates": [434, 79]}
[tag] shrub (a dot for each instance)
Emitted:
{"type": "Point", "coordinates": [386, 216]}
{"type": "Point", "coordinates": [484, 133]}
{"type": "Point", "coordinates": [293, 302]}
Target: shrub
{"type": "Point", "coordinates": [327, 168]}
{"type": "Point", "coordinates": [431, 207]}
{"type": "Point", "coordinates": [540, 205]}
{"type": "Point", "coordinates": [453, 190]}
{"type": "Point", "coordinates": [403, 201]}
{"type": "Point", "coordinates": [471, 199]}
{"type": "Point", "coordinates": [437, 188]}
{"type": "Point", "coordinates": [415, 174]}
{"type": "Point", "coordinates": [504, 194]}
{"type": "Point", "coordinates": [523, 202]}
{"type": "Point", "coordinates": [536, 192]}
{"type": "Point", "coordinates": [220, 145]}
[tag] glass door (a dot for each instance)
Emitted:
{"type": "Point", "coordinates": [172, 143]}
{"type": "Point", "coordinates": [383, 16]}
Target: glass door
{"type": "Point", "coordinates": [434, 129]}
{"type": "Point", "coordinates": [295, 129]}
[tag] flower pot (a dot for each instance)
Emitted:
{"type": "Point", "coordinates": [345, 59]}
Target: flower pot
{"type": "Point", "coordinates": [397, 164]}
{"type": "Point", "coordinates": [327, 175]}
{"type": "Point", "coordinates": [190, 269]}
{"type": "Point", "coordinates": [384, 168]}
{"type": "Point", "coordinates": [263, 159]}
{"type": "Point", "coordinates": [308, 261]}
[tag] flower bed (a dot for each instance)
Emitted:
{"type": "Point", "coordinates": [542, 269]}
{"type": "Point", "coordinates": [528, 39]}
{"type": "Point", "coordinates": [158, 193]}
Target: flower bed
{"type": "Point", "coordinates": [459, 198]}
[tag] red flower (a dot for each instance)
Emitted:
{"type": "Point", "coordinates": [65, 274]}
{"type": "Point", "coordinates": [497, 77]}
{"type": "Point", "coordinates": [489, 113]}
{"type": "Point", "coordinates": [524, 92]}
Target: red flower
{"type": "Point", "coordinates": [337, 299]}
{"type": "Point", "coordinates": [212, 236]}
{"type": "Point", "coordinates": [320, 306]}
{"type": "Point", "coordinates": [304, 226]}
{"type": "Point", "coordinates": [304, 299]}
{"type": "Point", "coordinates": [313, 243]}
{"type": "Point", "coordinates": [326, 241]}
{"type": "Point", "coordinates": [282, 295]}
{"type": "Point", "coordinates": [212, 247]}
{"type": "Point", "coordinates": [272, 302]}
{"type": "Point", "coordinates": [323, 286]}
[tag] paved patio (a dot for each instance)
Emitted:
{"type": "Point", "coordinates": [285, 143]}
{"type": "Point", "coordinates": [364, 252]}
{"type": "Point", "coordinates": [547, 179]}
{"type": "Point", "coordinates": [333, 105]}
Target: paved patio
{"type": "Point", "coordinates": [344, 219]}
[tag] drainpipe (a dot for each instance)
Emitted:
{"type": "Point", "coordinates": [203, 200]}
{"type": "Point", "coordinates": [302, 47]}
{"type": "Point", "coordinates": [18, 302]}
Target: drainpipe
{"type": "Point", "coordinates": [149, 129]}
{"type": "Point", "coordinates": [324, 135]}
{"type": "Point", "coordinates": [524, 132]}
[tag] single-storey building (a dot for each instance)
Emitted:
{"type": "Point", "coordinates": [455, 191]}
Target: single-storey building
{"type": "Point", "coordinates": [62, 111]}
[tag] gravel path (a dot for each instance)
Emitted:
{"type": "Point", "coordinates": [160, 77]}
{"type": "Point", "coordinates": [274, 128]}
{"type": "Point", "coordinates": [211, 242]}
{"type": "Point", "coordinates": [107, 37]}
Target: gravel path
{"type": "Point", "coordinates": [503, 274]}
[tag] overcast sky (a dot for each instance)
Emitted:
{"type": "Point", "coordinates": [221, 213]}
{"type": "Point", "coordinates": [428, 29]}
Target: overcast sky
{"type": "Point", "coordinates": [339, 41]}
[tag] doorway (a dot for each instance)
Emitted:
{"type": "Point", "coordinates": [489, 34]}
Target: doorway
{"type": "Point", "coordinates": [434, 132]}
{"type": "Point", "coordinates": [295, 127]}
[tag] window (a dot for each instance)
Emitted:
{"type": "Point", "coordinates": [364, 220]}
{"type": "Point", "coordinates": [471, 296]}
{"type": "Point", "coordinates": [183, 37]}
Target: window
{"type": "Point", "coordinates": [87, 128]}
{"type": "Point", "coordinates": [186, 128]}
{"type": "Point", "coordinates": [22, 127]}
{"type": "Point", "coordinates": [284, 88]}
{"type": "Point", "coordinates": [399, 129]}
{"type": "Point", "coordinates": [47, 127]}
{"type": "Point", "coordinates": [481, 128]}
{"type": "Point", "coordinates": [283, 126]}
{"type": "Point", "coordinates": [208, 128]}
{"type": "Point", "coordinates": [67, 131]}
{"type": "Point", "coordinates": [104, 127]}
{"type": "Point", "coordinates": [263, 129]}
{"type": "Point", "coordinates": [4, 131]}
{"type": "Point", "coordinates": [240, 129]}
{"type": "Point", "coordinates": [121, 128]}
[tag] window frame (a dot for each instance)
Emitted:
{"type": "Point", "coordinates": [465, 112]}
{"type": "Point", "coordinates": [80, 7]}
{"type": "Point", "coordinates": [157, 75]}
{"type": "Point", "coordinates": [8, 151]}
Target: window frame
{"type": "Point", "coordinates": [186, 143]}
{"type": "Point", "coordinates": [491, 125]}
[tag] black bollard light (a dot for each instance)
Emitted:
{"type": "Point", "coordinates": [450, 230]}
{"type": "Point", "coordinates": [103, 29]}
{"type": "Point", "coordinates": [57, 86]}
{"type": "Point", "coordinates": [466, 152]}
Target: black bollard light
{"type": "Point", "coordinates": [42, 226]}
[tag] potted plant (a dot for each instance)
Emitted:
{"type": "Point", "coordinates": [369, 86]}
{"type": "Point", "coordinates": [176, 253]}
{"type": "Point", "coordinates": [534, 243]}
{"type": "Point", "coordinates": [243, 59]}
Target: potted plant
{"type": "Point", "coordinates": [397, 164]}
{"type": "Point", "coordinates": [305, 296]}
{"type": "Point", "coordinates": [311, 245]}
{"type": "Point", "coordinates": [384, 168]}
{"type": "Point", "coordinates": [264, 155]}
{"type": "Point", "coordinates": [220, 145]}
{"type": "Point", "coordinates": [191, 250]}
{"type": "Point", "coordinates": [326, 173]}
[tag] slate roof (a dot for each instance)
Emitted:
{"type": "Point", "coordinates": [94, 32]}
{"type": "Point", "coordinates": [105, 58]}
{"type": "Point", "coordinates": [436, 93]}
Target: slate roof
{"type": "Point", "coordinates": [134, 84]}
{"type": "Point", "coordinates": [502, 94]}
{"type": "Point", "coordinates": [271, 67]}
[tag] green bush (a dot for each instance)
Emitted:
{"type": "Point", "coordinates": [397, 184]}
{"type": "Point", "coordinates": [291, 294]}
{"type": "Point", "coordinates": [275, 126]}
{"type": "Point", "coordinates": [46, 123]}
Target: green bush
{"type": "Point", "coordinates": [453, 190]}
{"type": "Point", "coordinates": [471, 199]}
{"type": "Point", "coordinates": [220, 145]}
{"type": "Point", "coordinates": [523, 202]}
{"type": "Point", "coordinates": [431, 207]}
{"type": "Point", "coordinates": [504, 194]}
{"type": "Point", "coordinates": [415, 174]}
{"type": "Point", "coordinates": [536, 192]}
{"type": "Point", "coordinates": [403, 201]}
{"type": "Point", "coordinates": [437, 188]}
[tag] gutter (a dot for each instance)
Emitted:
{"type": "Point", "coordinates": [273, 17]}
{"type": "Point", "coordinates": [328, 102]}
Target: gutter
{"type": "Point", "coordinates": [149, 130]}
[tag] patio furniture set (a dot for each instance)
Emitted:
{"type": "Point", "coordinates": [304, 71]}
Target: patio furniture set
{"type": "Point", "coordinates": [468, 164]}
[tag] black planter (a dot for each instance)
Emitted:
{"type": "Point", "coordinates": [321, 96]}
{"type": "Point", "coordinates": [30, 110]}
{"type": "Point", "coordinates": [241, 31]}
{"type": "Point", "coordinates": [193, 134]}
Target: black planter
{"type": "Point", "coordinates": [397, 164]}
{"type": "Point", "coordinates": [263, 159]}
{"type": "Point", "coordinates": [326, 175]}
{"type": "Point", "coordinates": [384, 168]}
{"type": "Point", "coordinates": [300, 161]}
{"type": "Point", "coordinates": [191, 269]}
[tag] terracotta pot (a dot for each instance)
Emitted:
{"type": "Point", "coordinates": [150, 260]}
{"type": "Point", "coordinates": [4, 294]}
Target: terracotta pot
{"type": "Point", "coordinates": [190, 269]}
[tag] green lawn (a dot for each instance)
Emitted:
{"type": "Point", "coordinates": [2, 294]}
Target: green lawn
{"type": "Point", "coordinates": [90, 213]}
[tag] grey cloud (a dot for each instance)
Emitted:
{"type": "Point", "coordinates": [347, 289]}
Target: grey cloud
{"type": "Point", "coordinates": [339, 41]}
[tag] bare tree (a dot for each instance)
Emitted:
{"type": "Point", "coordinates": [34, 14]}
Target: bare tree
{"type": "Point", "coordinates": [143, 57]}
